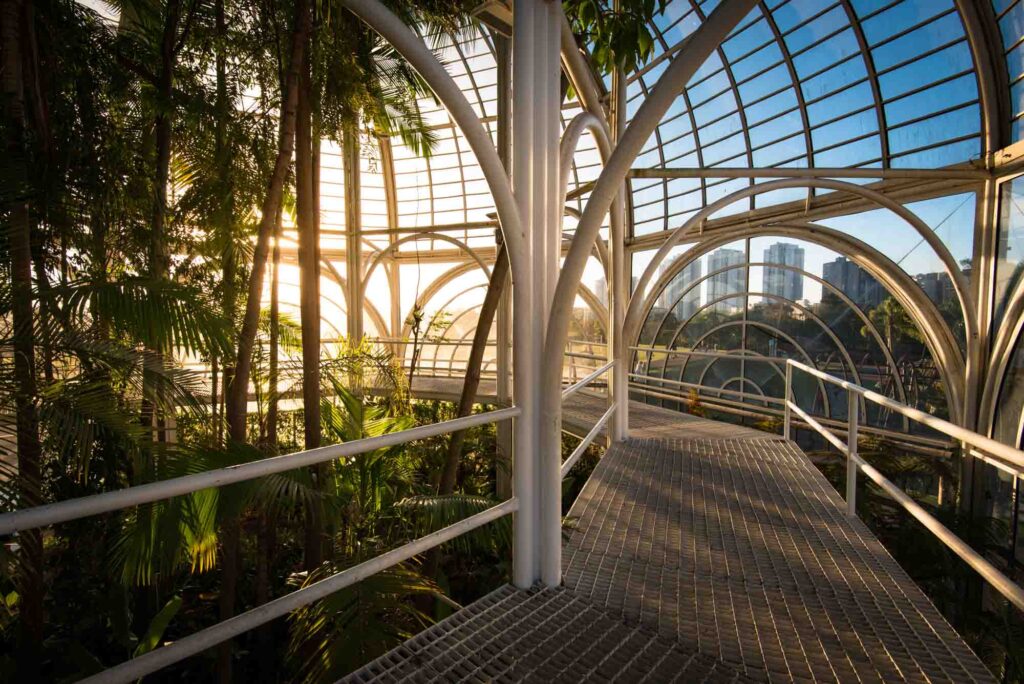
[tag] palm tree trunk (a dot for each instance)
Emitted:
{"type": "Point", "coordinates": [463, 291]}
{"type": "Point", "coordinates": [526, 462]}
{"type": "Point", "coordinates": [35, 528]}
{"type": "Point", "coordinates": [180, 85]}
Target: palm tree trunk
{"type": "Point", "coordinates": [309, 281]}
{"type": "Point", "coordinates": [159, 257]}
{"type": "Point", "coordinates": [19, 231]}
{"type": "Point", "coordinates": [476, 356]}
{"type": "Point", "coordinates": [224, 214]}
{"type": "Point", "coordinates": [273, 373]}
{"type": "Point", "coordinates": [265, 527]}
{"type": "Point", "coordinates": [237, 396]}
{"type": "Point", "coordinates": [238, 392]}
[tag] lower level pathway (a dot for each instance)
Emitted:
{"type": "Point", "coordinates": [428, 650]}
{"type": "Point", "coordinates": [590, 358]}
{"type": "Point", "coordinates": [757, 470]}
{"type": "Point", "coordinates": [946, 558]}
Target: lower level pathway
{"type": "Point", "coordinates": [721, 558]}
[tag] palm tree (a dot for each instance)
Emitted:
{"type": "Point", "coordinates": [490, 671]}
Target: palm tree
{"type": "Point", "coordinates": [19, 231]}
{"type": "Point", "coordinates": [894, 321]}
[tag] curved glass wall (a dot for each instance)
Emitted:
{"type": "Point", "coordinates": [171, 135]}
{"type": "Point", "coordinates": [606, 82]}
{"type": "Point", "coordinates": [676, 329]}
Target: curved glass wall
{"type": "Point", "coordinates": [726, 316]}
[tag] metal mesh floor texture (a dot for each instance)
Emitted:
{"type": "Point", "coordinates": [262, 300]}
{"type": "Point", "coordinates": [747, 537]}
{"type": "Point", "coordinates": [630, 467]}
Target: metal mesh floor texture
{"type": "Point", "coordinates": [741, 550]}
{"type": "Point", "coordinates": [541, 635]}
{"type": "Point", "coordinates": [699, 559]}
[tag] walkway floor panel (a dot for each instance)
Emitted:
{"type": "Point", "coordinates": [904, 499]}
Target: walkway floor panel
{"type": "Point", "coordinates": [741, 550]}
{"type": "Point", "coordinates": [542, 635]}
{"type": "Point", "coordinates": [699, 551]}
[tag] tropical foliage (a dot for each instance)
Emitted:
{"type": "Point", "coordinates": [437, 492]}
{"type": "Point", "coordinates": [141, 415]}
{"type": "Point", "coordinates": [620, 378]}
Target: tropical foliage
{"type": "Point", "coordinates": [154, 151]}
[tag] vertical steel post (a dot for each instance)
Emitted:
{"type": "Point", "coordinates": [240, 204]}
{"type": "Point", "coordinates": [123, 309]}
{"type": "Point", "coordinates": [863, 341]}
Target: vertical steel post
{"type": "Point", "coordinates": [503, 352]}
{"type": "Point", "coordinates": [852, 419]}
{"type": "Point", "coordinates": [536, 114]}
{"type": "Point", "coordinates": [618, 346]}
{"type": "Point", "coordinates": [787, 412]}
{"type": "Point", "coordinates": [535, 130]}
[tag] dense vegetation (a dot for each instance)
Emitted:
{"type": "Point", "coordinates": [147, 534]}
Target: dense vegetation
{"type": "Point", "coordinates": [153, 149]}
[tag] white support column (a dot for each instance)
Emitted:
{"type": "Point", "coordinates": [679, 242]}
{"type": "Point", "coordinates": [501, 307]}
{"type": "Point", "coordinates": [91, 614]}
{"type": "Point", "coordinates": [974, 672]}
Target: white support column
{"type": "Point", "coordinates": [618, 288]}
{"type": "Point", "coordinates": [536, 129]}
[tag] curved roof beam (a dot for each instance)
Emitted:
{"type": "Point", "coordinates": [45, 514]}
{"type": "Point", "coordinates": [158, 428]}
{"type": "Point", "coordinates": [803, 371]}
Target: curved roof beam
{"type": "Point", "coordinates": [958, 279]}
{"type": "Point", "coordinates": [938, 337]}
{"type": "Point", "coordinates": [821, 324]}
{"type": "Point", "coordinates": [773, 330]}
{"type": "Point", "coordinates": [412, 48]}
{"type": "Point", "coordinates": [810, 314]}
{"type": "Point", "coordinates": [370, 309]}
{"type": "Point", "coordinates": [692, 255]}
{"type": "Point", "coordinates": [600, 246]}
{"type": "Point", "coordinates": [984, 41]}
{"type": "Point", "coordinates": [393, 246]}
{"type": "Point", "coordinates": [431, 291]}
{"type": "Point", "coordinates": [708, 36]}
{"type": "Point", "coordinates": [1001, 355]}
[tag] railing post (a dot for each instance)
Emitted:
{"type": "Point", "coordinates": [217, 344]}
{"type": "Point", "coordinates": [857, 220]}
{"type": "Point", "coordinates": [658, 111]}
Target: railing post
{"type": "Point", "coordinates": [852, 418]}
{"type": "Point", "coordinates": [787, 413]}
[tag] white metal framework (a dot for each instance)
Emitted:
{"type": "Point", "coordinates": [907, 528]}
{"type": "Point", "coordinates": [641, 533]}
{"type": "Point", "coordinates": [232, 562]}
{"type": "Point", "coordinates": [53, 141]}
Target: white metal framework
{"type": "Point", "coordinates": [798, 121]}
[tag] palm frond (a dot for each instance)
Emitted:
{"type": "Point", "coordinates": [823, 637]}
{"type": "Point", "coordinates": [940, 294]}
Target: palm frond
{"type": "Point", "coordinates": [354, 625]}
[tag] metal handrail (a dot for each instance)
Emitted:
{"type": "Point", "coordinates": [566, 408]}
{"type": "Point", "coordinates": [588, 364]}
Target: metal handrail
{"type": "Point", "coordinates": [573, 389]}
{"type": "Point", "coordinates": [72, 509]}
{"type": "Point", "coordinates": [582, 446]}
{"type": "Point", "coordinates": [1012, 591]}
{"type": "Point", "coordinates": [650, 379]}
{"type": "Point", "coordinates": [986, 444]}
{"type": "Point", "coordinates": [132, 670]}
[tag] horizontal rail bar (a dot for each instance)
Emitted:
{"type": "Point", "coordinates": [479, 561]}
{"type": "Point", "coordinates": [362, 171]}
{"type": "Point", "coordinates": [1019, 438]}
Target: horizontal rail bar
{"type": "Point", "coordinates": [573, 389]}
{"type": "Point", "coordinates": [996, 463]}
{"type": "Point", "coordinates": [650, 379]}
{"type": "Point", "coordinates": [710, 354]}
{"type": "Point", "coordinates": [585, 355]}
{"type": "Point", "coordinates": [990, 573]}
{"type": "Point", "coordinates": [1013, 592]}
{"type": "Point", "coordinates": [198, 642]}
{"type": "Point", "coordinates": [822, 430]}
{"type": "Point", "coordinates": [933, 447]}
{"type": "Point", "coordinates": [986, 444]}
{"type": "Point", "coordinates": [582, 446]}
{"type": "Point", "coordinates": [63, 511]}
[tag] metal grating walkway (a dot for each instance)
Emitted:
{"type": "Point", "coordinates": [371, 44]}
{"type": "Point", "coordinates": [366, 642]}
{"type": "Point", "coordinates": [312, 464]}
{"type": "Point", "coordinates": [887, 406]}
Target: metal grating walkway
{"type": "Point", "coordinates": [700, 559]}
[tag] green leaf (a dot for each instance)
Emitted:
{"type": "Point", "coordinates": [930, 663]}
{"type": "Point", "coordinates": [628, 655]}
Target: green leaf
{"type": "Point", "coordinates": [158, 626]}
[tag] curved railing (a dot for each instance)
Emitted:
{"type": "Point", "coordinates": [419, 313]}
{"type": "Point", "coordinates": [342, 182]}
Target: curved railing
{"type": "Point", "coordinates": [1009, 458]}
{"type": "Point", "coordinates": [73, 509]}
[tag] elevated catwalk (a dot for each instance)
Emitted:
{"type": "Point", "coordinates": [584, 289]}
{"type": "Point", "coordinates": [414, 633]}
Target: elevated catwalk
{"type": "Point", "coordinates": [699, 552]}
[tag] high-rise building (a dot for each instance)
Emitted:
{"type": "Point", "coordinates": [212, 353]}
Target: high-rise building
{"type": "Point", "coordinates": [727, 282]}
{"type": "Point", "coordinates": [853, 281]}
{"type": "Point", "coordinates": [601, 290]}
{"type": "Point", "coordinates": [938, 286]}
{"type": "Point", "coordinates": [783, 282]}
{"type": "Point", "coordinates": [689, 300]}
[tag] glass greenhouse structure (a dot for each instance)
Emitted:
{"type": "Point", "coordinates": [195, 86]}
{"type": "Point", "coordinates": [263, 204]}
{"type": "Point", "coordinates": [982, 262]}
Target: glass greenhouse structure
{"type": "Point", "coordinates": [796, 228]}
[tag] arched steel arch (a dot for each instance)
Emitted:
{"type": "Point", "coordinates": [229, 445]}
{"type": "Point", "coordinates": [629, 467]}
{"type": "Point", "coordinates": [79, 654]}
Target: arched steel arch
{"type": "Point", "coordinates": [1001, 354]}
{"type": "Point", "coordinates": [938, 337]}
{"type": "Point", "coordinates": [449, 303]}
{"type": "Point", "coordinates": [323, 319]}
{"type": "Point", "coordinates": [702, 248]}
{"type": "Point", "coordinates": [771, 329]}
{"type": "Point", "coordinates": [431, 291]}
{"type": "Point", "coordinates": [393, 246]}
{"type": "Point", "coordinates": [435, 286]}
{"type": "Point", "coordinates": [839, 346]}
{"type": "Point", "coordinates": [956, 276]}
{"type": "Point", "coordinates": [371, 310]}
